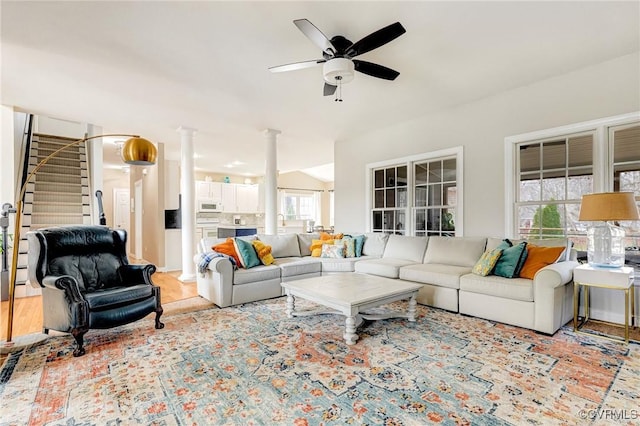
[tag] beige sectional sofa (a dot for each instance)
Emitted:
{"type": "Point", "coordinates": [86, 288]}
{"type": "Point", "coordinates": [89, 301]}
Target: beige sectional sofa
{"type": "Point", "coordinates": [443, 265]}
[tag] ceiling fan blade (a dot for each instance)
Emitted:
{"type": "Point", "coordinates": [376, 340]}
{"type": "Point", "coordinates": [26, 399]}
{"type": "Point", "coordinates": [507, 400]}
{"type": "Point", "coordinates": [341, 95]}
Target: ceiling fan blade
{"type": "Point", "coordinates": [376, 39]}
{"type": "Point", "coordinates": [315, 35]}
{"type": "Point", "coordinates": [297, 65]}
{"type": "Point", "coordinates": [329, 89]}
{"type": "Point", "coordinates": [375, 70]}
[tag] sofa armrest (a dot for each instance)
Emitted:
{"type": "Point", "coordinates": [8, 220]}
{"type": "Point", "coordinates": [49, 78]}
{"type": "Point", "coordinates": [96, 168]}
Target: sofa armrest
{"type": "Point", "coordinates": [65, 283]}
{"type": "Point", "coordinates": [553, 296]}
{"type": "Point", "coordinates": [135, 274]}
{"type": "Point", "coordinates": [555, 275]}
{"type": "Point", "coordinates": [216, 283]}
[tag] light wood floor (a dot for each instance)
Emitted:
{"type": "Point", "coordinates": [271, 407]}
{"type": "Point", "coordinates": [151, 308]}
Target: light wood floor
{"type": "Point", "coordinates": [27, 311]}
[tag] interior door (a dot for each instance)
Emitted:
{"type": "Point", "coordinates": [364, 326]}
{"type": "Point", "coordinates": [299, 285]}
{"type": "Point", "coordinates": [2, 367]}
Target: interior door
{"type": "Point", "coordinates": [122, 211]}
{"type": "Point", "coordinates": [138, 219]}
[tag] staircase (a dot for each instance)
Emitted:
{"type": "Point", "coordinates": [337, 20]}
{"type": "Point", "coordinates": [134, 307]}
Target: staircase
{"type": "Point", "coordinates": [58, 194]}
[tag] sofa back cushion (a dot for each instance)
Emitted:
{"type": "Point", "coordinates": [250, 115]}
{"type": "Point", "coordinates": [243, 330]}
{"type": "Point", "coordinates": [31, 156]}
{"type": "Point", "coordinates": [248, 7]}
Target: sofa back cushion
{"type": "Point", "coordinates": [548, 242]}
{"type": "Point", "coordinates": [404, 247]}
{"type": "Point", "coordinates": [305, 241]}
{"type": "Point", "coordinates": [285, 245]}
{"type": "Point", "coordinates": [374, 243]}
{"type": "Point", "coordinates": [456, 251]}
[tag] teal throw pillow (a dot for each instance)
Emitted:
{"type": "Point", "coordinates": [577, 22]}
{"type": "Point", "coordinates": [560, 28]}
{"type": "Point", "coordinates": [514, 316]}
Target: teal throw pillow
{"type": "Point", "coordinates": [349, 245]}
{"type": "Point", "coordinates": [487, 262]}
{"type": "Point", "coordinates": [511, 261]}
{"type": "Point", "coordinates": [359, 242]}
{"type": "Point", "coordinates": [505, 244]}
{"type": "Point", "coordinates": [246, 253]}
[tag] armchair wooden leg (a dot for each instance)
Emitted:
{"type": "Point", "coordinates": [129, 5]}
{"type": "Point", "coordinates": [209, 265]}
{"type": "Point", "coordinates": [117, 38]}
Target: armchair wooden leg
{"type": "Point", "coordinates": [159, 312]}
{"type": "Point", "coordinates": [78, 334]}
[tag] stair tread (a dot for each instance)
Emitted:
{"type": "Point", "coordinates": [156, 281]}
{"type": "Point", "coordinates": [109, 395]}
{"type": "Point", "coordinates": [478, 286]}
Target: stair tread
{"type": "Point", "coordinates": [58, 203]}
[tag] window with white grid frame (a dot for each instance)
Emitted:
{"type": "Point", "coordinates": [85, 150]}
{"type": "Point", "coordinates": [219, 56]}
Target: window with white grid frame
{"type": "Point", "coordinates": [299, 205]}
{"type": "Point", "coordinates": [418, 195]}
{"type": "Point", "coordinates": [624, 149]}
{"type": "Point", "coordinates": [554, 168]}
{"type": "Point", "coordinates": [435, 198]}
{"type": "Point", "coordinates": [389, 211]}
{"type": "Point", "coordinates": [553, 175]}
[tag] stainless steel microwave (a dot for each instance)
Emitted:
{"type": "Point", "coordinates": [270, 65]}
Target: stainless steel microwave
{"type": "Point", "coordinates": [209, 206]}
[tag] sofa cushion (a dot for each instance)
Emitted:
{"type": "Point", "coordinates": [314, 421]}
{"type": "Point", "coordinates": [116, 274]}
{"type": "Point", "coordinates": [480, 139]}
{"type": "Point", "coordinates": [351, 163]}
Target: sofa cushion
{"type": "Point", "coordinates": [349, 245]}
{"type": "Point", "coordinates": [539, 257]}
{"type": "Point", "coordinates": [285, 245]}
{"type": "Point", "coordinates": [487, 262]}
{"type": "Point", "coordinates": [374, 243]}
{"type": "Point", "coordinates": [359, 240]}
{"type": "Point", "coordinates": [492, 285]}
{"type": "Point", "coordinates": [389, 268]}
{"type": "Point", "coordinates": [346, 264]}
{"type": "Point", "coordinates": [332, 251]}
{"type": "Point", "coordinates": [207, 243]}
{"type": "Point", "coordinates": [511, 260]}
{"type": "Point", "coordinates": [263, 251]}
{"type": "Point", "coordinates": [404, 247]}
{"type": "Point", "coordinates": [115, 297]}
{"type": "Point", "coordinates": [246, 253]}
{"type": "Point", "coordinates": [555, 242]}
{"type": "Point", "coordinates": [259, 273]}
{"type": "Point", "coordinates": [435, 274]}
{"type": "Point", "coordinates": [293, 266]}
{"type": "Point", "coordinates": [457, 251]}
{"type": "Point", "coordinates": [548, 242]}
{"type": "Point", "coordinates": [229, 249]}
{"type": "Point", "coordinates": [304, 241]}
{"type": "Point", "coordinates": [316, 247]}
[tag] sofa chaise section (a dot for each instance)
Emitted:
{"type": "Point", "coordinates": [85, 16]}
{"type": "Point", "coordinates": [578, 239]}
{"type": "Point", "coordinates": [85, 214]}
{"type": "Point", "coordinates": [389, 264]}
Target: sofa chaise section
{"type": "Point", "coordinates": [543, 304]}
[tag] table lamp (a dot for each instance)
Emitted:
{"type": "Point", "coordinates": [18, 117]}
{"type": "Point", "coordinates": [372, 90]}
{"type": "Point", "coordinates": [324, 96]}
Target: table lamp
{"type": "Point", "coordinates": [605, 245]}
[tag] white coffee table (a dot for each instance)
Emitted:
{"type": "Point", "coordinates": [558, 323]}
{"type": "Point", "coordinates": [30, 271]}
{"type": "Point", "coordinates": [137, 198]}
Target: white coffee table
{"type": "Point", "coordinates": [350, 294]}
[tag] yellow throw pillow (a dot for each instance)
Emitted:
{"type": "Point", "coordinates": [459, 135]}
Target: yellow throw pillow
{"type": "Point", "coordinates": [316, 246]}
{"type": "Point", "coordinates": [487, 262]}
{"type": "Point", "coordinates": [326, 236]}
{"type": "Point", "coordinates": [263, 251]}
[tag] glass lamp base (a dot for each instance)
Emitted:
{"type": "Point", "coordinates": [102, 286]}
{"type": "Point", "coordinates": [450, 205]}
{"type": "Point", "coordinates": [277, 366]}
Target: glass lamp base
{"type": "Point", "coordinates": [605, 247]}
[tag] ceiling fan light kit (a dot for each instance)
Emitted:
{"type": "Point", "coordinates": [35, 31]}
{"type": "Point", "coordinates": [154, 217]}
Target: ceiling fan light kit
{"type": "Point", "coordinates": [338, 69]}
{"type": "Point", "coordinates": [338, 53]}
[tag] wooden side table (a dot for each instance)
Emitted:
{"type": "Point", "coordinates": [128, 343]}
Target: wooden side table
{"type": "Point", "coordinates": [608, 278]}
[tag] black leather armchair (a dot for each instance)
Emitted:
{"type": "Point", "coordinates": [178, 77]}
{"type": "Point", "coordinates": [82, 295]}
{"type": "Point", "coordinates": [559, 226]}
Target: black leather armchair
{"type": "Point", "coordinates": [87, 281]}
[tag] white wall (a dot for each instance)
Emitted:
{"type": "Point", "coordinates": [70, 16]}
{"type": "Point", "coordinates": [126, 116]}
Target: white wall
{"type": "Point", "coordinates": [603, 90]}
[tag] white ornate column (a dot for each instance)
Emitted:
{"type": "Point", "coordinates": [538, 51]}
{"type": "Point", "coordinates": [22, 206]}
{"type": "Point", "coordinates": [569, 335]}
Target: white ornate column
{"type": "Point", "coordinates": [271, 183]}
{"type": "Point", "coordinates": [187, 205]}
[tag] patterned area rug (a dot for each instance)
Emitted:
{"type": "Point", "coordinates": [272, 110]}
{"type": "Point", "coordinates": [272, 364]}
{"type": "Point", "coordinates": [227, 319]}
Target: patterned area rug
{"type": "Point", "coordinates": [250, 365]}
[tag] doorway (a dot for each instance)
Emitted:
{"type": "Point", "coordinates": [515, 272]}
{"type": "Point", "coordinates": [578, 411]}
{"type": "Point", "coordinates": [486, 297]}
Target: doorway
{"type": "Point", "coordinates": [138, 219]}
{"type": "Point", "coordinates": [122, 211]}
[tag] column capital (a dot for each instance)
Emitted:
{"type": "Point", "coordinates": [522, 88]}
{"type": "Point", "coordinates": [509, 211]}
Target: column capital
{"type": "Point", "coordinates": [184, 130]}
{"type": "Point", "coordinates": [272, 132]}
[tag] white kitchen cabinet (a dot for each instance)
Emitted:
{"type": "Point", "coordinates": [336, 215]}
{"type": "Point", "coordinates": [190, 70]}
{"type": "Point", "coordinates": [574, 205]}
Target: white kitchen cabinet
{"type": "Point", "coordinates": [209, 190]}
{"type": "Point", "coordinates": [229, 203]}
{"type": "Point", "coordinates": [173, 249]}
{"type": "Point", "coordinates": [247, 198]}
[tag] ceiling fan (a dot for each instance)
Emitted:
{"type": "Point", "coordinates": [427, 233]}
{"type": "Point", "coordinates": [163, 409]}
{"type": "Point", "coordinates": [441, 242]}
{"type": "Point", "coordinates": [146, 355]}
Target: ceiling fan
{"type": "Point", "coordinates": [338, 54]}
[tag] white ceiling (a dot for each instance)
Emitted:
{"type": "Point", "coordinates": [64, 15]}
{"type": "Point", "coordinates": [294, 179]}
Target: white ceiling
{"type": "Point", "coordinates": [149, 67]}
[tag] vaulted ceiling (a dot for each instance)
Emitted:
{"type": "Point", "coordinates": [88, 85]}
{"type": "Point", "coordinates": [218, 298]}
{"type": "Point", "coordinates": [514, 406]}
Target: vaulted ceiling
{"type": "Point", "coordinates": [149, 67]}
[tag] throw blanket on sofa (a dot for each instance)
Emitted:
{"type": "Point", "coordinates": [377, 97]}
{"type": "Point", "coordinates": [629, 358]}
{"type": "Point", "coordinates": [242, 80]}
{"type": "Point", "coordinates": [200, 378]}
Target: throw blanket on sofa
{"type": "Point", "coordinates": [206, 258]}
